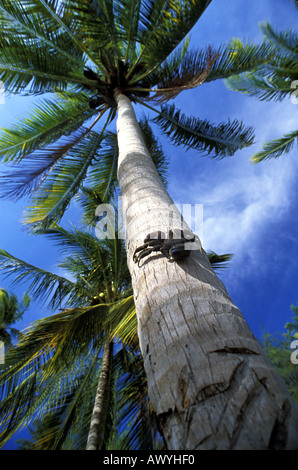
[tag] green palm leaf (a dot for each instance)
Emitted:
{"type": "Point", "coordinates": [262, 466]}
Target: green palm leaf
{"type": "Point", "coordinates": [272, 81]}
{"type": "Point", "coordinates": [136, 413]}
{"type": "Point", "coordinates": [32, 21]}
{"type": "Point", "coordinates": [46, 124]}
{"type": "Point", "coordinates": [36, 167]}
{"type": "Point", "coordinates": [218, 140]}
{"type": "Point", "coordinates": [192, 71]}
{"type": "Point", "coordinates": [237, 57]}
{"type": "Point", "coordinates": [35, 72]}
{"type": "Point", "coordinates": [163, 25]}
{"type": "Point", "coordinates": [276, 147]}
{"type": "Point", "coordinates": [39, 380]}
{"type": "Point", "coordinates": [286, 41]}
{"type": "Point", "coordinates": [45, 286]}
{"type": "Point", "coordinates": [123, 321]}
{"type": "Point", "coordinates": [195, 67]}
{"type": "Point", "coordinates": [261, 87]}
{"type": "Point", "coordinates": [56, 191]}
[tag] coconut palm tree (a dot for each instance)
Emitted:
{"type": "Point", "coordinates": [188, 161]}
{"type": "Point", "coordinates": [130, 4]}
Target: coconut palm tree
{"type": "Point", "coordinates": [274, 81]}
{"type": "Point", "coordinates": [61, 352]}
{"type": "Point", "coordinates": [207, 376]}
{"type": "Point", "coordinates": [54, 366]}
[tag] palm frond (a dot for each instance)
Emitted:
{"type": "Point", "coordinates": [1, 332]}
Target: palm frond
{"type": "Point", "coordinates": [56, 11]}
{"type": "Point", "coordinates": [103, 34]}
{"type": "Point", "coordinates": [89, 199]}
{"type": "Point", "coordinates": [154, 147]}
{"type": "Point", "coordinates": [136, 412]}
{"type": "Point", "coordinates": [82, 244]}
{"type": "Point", "coordinates": [103, 174]}
{"type": "Point", "coordinates": [237, 57]}
{"type": "Point", "coordinates": [215, 140]}
{"type": "Point", "coordinates": [153, 77]}
{"type": "Point", "coordinates": [192, 71]}
{"type": "Point", "coordinates": [218, 261]}
{"type": "Point", "coordinates": [29, 21]}
{"type": "Point", "coordinates": [286, 41]}
{"type": "Point", "coordinates": [272, 80]}
{"type": "Point", "coordinates": [36, 167]}
{"type": "Point", "coordinates": [54, 194]}
{"type": "Point", "coordinates": [261, 87]}
{"type": "Point", "coordinates": [276, 147]}
{"type": "Point", "coordinates": [36, 72]}
{"type": "Point", "coordinates": [97, 265]}
{"type": "Point", "coordinates": [46, 124]}
{"type": "Point", "coordinates": [44, 285]}
{"type": "Point", "coordinates": [163, 25]}
{"type": "Point", "coordinates": [39, 380]}
{"type": "Point", "coordinates": [123, 321]}
{"type": "Point", "coordinates": [128, 16]}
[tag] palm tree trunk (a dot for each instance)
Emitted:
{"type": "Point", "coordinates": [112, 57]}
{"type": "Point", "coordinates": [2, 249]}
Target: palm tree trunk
{"type": "Point", "coordinates": [97, 420]}
{"type": "Point", "coordinates": [208, 380]}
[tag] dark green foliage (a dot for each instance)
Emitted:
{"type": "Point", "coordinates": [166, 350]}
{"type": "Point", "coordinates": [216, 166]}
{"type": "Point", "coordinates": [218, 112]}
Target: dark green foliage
{"type": "Point", "coordinates": [279, 350]}
{"type": "Point", "coordinates": [11, 311]}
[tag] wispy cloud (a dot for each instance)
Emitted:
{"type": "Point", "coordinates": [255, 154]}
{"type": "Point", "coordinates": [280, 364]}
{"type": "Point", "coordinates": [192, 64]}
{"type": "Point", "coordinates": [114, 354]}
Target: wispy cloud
{"type": "Point", "coordinates": [244, 204]}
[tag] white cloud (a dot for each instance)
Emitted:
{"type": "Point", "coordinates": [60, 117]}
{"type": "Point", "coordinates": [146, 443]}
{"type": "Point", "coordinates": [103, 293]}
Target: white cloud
{"type": "Point", "coordinates": [243, 209]}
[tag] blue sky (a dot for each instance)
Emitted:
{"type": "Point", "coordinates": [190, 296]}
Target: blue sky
{"type": "Point", "coordinates": [249, 210]}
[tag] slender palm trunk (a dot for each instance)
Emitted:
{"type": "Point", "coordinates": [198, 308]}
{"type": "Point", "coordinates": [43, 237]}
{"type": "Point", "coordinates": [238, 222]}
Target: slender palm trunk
{"type": "Point", "coordinates": [97, 419]}
{"type": "Point", "coordinates": [209, 382]}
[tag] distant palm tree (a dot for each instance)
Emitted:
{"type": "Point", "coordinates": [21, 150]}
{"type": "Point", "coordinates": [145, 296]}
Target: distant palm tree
{"type": "Point", "coordinates": [11, 311]}
{"type": "Point", "coordinates": [61, 352]}
{"type": "Point", "coordinates": [97, 59]}
{"type": "Point", "coordinates": [275, 81]}
{"type": "Point", "coordinates": [56, 363]}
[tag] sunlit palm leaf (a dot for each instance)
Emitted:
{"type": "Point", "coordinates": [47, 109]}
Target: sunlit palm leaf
{"type": "Point", "coordinates": [164, 24]}
{"type": "Point", "coordinates": [103, 174]}
{"type": "Point", "coordinates": [276, 147]}
{"type": "Point", "coordinates": [237, 57]}
{"type": "Point", "coordinates": [158, 74]}
{"type": "Point", "coordinates": [30, 20]}
{"type": "Point", "coordinates": [66, 23]}
{"type": "Point", "coordinates": [83, 250]}
{"type": "Point", "coordinates": [37, 71]}
{"type": "Point", "coordinates": [43, 385]}
{"type": "Point", "coordinates": [122, 317]}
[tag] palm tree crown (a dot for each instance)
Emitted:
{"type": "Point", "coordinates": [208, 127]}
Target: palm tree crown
{"type": "Point", "coordinates": [77, 54]}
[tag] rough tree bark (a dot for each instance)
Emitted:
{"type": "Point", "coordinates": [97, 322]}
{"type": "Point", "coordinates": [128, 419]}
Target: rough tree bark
{"type": "Point", "coordinates": [97, 418]}
{"type": "Point", "coordinates": [209, 382]}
